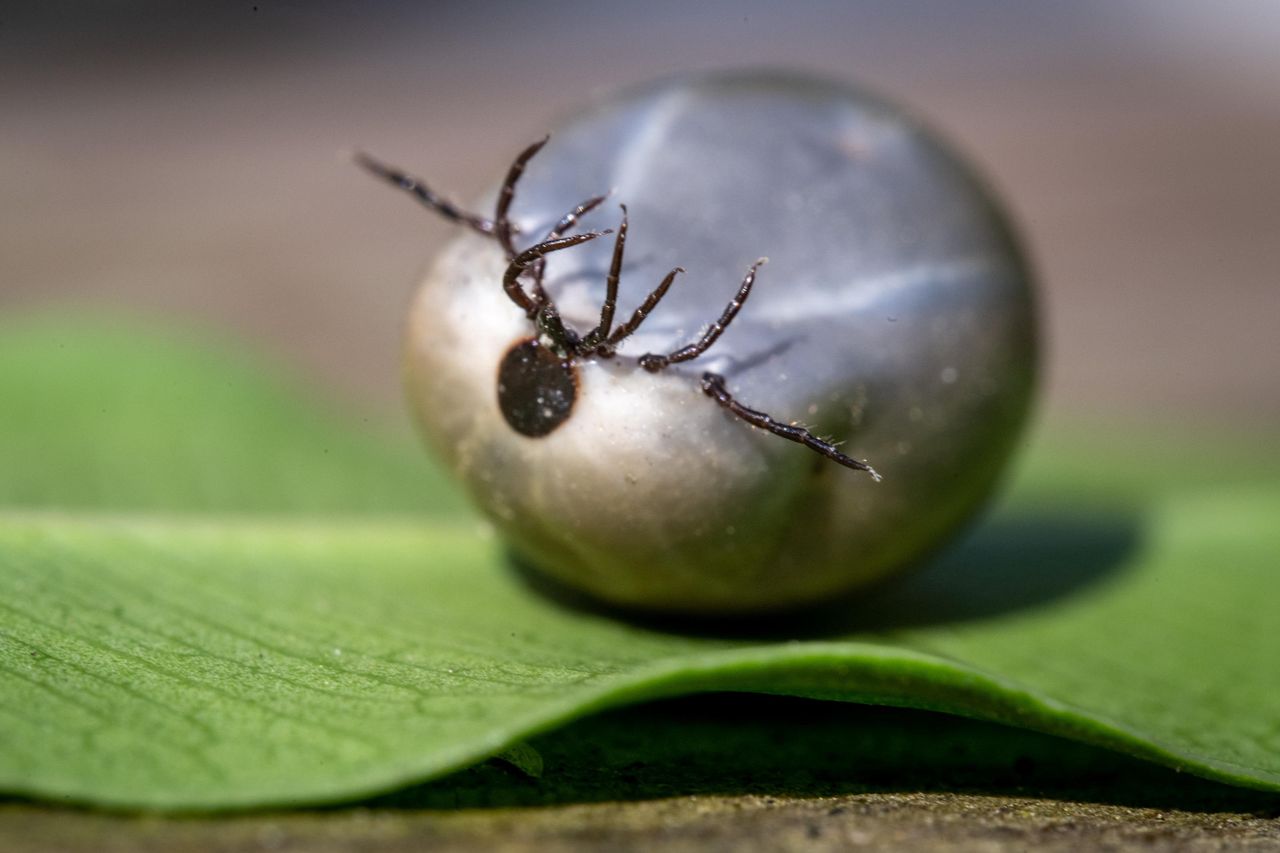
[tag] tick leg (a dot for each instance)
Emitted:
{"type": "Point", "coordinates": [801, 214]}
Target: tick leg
{"type": "Point", "coordinates": [571, 218]}
{"type": "Point", "coordinates": [567, 222]}
{"type": "Point", "coordinates": [650, 302]}
{"type": "Point", "coordinates": [501, 219]}
{"type": "Point", "coordinates": [713, 386]}
{"type": "Point", "coordinates": [533, 255]}
{"type": "Point", "coordinates": [653, 363]}
{"type": "Point", "coordinates": [424, 194]}
{"type": "Point", "coordinates": [601, 331]}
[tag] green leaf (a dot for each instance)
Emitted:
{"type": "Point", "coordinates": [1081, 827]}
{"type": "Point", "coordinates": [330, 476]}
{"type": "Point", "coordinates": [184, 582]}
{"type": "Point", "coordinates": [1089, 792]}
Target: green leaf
{"type": "Point", "coordinates": [524, 758]}
{"type": "Point", "coordinates": [185, 623]}
{"type": "Point", "coordinates": [119, 415]}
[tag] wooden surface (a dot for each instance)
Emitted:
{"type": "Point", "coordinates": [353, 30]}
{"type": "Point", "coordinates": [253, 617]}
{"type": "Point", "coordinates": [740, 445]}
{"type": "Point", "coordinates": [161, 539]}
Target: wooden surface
{"type": "Point", "coordinates": [907, 821]}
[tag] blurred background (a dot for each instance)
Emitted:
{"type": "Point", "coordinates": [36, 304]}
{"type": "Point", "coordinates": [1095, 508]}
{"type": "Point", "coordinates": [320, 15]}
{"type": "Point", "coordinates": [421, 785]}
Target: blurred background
{"type": "Point", "coordinates": [194, 161]}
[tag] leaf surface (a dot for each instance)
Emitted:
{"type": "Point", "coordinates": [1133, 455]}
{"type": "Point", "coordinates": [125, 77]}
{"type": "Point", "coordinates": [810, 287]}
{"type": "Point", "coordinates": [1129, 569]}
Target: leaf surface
{"type": "Point", "coordinates": [198, 625]}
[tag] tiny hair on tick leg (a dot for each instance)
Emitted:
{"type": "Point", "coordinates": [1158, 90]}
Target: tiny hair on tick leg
{"type": "Point", "coordinates": [630, 429]}
{"type": "Point", "coordinates": [601, 341]}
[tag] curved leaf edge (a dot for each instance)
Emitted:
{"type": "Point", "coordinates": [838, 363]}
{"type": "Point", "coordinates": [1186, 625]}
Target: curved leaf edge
{"type": "Point", "coordinates": [876, 675]}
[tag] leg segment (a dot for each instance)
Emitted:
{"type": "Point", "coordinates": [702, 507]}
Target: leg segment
{"type": "Point", "coordinates": [714, 387]}
{"type": "Point", "coordinates": [424, 194]}
{"type": "Point", "coordinates": [610, 304]}
{"type": "Point", "coordinates": [653, 363]}
{"type": "Point", "coordinates": [529, 257]}
{"type": "Point", "coordinates": [650, 302]}
{"type": "Point", "coordinates": [501, 220]}
{"type": "Point", "coordinates": [571, 218]}
{"type": "Point", "coordinates": [566, 222]}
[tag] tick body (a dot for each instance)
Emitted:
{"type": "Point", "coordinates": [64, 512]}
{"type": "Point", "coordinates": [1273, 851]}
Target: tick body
{"type": "Point", "coordinates": [629, 460]}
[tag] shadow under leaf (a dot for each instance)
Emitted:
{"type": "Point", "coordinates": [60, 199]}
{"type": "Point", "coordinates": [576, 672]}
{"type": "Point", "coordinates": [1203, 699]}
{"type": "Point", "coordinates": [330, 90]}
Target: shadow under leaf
{"type": "Point", "coordinates": [742, 744]}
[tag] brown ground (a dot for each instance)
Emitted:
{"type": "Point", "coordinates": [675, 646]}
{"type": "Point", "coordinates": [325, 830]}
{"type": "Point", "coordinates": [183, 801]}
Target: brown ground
{"type": "Point", "coordinates": [912, 821]}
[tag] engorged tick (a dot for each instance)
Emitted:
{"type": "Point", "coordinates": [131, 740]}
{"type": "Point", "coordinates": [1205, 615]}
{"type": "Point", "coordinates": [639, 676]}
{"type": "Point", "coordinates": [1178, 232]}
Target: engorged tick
{"type": "Point", "coordinates": [537, 381]}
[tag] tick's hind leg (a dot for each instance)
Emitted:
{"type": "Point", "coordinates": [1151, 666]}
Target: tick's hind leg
{"type": "Point", "coordinates": [424, 194]}
{"type": "Point", "coordinates": [714, 387]}
{"type": "Point", "coordinates": [653, 362]}
{"type": "Point", "coordinates": [713, 384]}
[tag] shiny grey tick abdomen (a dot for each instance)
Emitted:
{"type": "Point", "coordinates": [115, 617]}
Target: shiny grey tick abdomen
{"type": "Point", "coordinates": [894, 315]}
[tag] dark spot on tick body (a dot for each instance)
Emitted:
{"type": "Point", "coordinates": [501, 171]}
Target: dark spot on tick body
{"type": "Point", "coordinates": [536, 388]}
